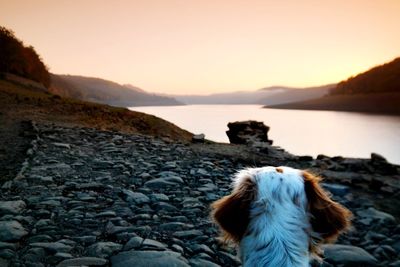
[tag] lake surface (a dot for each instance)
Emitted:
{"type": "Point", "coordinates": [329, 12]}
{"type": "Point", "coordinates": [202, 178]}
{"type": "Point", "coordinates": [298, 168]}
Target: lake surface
{"type": "Point", "coordinates": [300, 132]}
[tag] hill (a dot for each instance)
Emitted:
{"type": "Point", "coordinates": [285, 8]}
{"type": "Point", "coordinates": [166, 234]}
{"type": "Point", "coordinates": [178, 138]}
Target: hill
{"type": "Point", "coordinates": [106, 92]}
{"type": "Point", "coordinates": [26, 103]}
{"type": "Point", "coordinates": [21, 60]}
{"type": "Point", "coordinates": [383, 78]}
{"type": "Point", "coordinates": [374, 91]}
{"type": "Point", "coordinates": [264, 96]}
{"type": "Point", "coordinates": [382, 103]}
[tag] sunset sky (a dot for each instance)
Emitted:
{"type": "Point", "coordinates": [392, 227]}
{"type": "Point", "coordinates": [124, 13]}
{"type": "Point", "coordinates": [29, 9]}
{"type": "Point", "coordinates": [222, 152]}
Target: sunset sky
{"type": "Point", "coordinates": [201, 47]}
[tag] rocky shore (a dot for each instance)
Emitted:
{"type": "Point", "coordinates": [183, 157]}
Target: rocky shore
{"type": "Point", "coordinates": [85, 197]}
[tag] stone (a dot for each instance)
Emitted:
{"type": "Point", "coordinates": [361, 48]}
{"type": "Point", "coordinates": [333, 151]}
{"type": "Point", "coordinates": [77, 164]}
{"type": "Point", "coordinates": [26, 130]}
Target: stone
{"type": "Point", "coordinates": [159, 197]}
{"type": "Point", "coordinates": [62, 145]}
{"type": "Point", "coordinates": [103, 249]}
{"type": "Point", "coordinates": [52, 247]}
{"type": "Point", "coordinates": [336, 189]}
{"type": "Point", "coordinates": [11, 231]}
{"type": "Point", "coordinates": [138, 242]}
{"type": "Point", "coordinates": [84, 261]}
{"type": "Point", "coordinates": [7, 245]}
{"type": "Point", "coordinates": [12, 207]}
{"type": "Point", "coordinates": [188, 234]}
{"type": "Point", "coordinates": [348, 256]}
{"type": "Point", "coordinates": [373, 213]}
{"type": "Point", "coordinates": [198, 138]}
{"type": "Point", "coordinates": [136, 197]}
{"type": "Point", "coordinates": [148, 259]}
{"type": "Point", "coordinates": [7, 253]}
{"type": "Point", "coordinates": [245, 132]}
{"type": "Point", "coordinates": [174, 226]}
{"type": "Point", "coordinates": [108, 213]}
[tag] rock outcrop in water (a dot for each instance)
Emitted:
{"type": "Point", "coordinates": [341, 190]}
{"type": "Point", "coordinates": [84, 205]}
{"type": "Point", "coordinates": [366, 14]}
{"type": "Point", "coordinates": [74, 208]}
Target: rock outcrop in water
{"type": "Point", "coordinates": [245, 132]}
{"type": "Point", "coordinates": [98, 198]}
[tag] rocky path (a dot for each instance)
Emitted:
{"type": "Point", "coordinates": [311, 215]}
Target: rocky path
{"type": "Point", "coordinates": [91, 198]}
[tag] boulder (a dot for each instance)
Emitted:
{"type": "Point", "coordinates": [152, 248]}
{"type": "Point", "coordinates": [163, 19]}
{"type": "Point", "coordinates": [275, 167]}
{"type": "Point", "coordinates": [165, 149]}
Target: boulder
{"type": "Point", "coordinates": [198, 138]}
{"type": "Point", "coordinates": [348, 256]}
{"type": "Point", "coordinates": [12, 207]}
{"type": "Point", "coordinates": [247, 132]}
{"type": "Point", "coordinates": [381, 165]}
{"type": "Point", "coordinates": [11, 231]}
{"type": "Point", "coordinates": [374, 214]}
{"type": "Point", "coordinates": [103, 249]}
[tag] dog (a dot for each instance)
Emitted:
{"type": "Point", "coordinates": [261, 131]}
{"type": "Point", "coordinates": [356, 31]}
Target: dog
{"type": "Point", "coordinates": [279, 216]}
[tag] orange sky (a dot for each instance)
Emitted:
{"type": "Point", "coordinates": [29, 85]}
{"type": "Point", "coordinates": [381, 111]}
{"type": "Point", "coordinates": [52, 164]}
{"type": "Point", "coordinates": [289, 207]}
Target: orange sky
{"type": "Point", "coordinates": [208, 46]}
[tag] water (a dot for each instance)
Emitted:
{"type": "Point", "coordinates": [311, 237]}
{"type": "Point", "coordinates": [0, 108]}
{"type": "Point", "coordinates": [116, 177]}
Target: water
{"type": "Point", "coordinates": [300, 132]}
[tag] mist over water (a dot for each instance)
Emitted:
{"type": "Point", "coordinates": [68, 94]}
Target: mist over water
{"type": "Point", "coordinates": [300, 132]}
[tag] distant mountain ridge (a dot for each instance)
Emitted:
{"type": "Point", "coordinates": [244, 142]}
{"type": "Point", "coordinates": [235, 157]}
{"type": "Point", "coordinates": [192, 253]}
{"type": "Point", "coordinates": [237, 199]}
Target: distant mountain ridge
{"type": "Point", "coordinates": [374, 91]}
{"type": "Point", "coordinates": [264, 96]}
{"type": "Point", "coordinates": [106, 92]}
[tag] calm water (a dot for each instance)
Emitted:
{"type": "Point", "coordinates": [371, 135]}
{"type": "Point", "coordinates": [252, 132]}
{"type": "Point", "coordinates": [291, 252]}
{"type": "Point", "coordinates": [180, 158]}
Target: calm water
{"type": "Point", "coordinates": [297, 131]}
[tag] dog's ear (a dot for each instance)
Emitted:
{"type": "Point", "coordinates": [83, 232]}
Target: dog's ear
{"type": "Point", "coordinates": [328, 218]}
{"type": "Point", "coordinates": [232, 212]}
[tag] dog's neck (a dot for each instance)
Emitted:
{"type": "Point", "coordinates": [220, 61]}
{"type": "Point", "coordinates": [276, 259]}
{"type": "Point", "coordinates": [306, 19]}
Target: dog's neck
{"type": "Point", "coordinates": [276, 236]}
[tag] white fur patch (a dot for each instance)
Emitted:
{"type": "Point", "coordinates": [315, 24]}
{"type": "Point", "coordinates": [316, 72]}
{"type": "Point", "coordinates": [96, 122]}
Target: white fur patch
{"type": "Point", "coordinates": [278, 232]}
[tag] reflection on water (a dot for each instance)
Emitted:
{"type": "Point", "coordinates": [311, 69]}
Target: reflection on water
{"type": "Point", "coordinates": [301, 132]}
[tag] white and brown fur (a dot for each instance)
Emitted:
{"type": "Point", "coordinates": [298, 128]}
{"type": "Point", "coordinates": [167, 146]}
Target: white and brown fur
{"type": "Point", "coordinates": [278, 216]}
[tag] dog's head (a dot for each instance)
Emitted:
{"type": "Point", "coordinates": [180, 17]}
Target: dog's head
{"type": "Point", "coordinates": [282, 189]}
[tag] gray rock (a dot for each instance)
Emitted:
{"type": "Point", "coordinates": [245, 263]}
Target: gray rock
{"type": "Point", "coordinates": [52, 247]}
{"type": "Point", "coordinates": [11, 231]}
{"type": "Point", "coordinates": [62, 145]}
{"type": "Point", "coordinates": [348, 256]}
{"type": "Point", "coordinates": [201, 248]}
{"type": "Point", "coordinates": [4, 245]}
{"type": "Point", "coordinates": [138, 242]}
{"type": "Point", "coordinates": [136, 197]}
{"type": "Point", "coordinates": [84, 261]}
{"type": "Point", "coordinates": [159, 197]}
{"type": "Point", "coordinates": [108, 213]}
{"type": "Point", "coordinates": [188, 234]}
{"type": "Point", "coordinates": [174, 226]}
{"type": "Point", "coordinates": [372, 213]}
{"type": "Point", "coordinates": [168, 179]}
{"type": "Point", "coordinates": [59, 256]}
{"type": "Point", "coordinates": [148, 259]}
{"type": "Point", "coordinates": [103, 249]}
{"type": "Point", "coordinates": [7, 253]}
{"type": "Point", "coordinates": [198, 138]}
{"type": "Point", "coordinates": [12, 207]}
{"type": "Point", "coordinates": [337, 189]}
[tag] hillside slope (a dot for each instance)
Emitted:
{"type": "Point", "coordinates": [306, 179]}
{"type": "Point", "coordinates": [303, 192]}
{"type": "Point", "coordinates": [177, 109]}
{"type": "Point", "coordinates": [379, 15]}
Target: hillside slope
{"type": "Point", "coordinates": [106, 92]}
{"type": "Point", "coordinates": [24, 103]}
{"type": "Point", "coordinates": [374, 91]}
{"type": "Point", "coordinates": [382, 103]}
{"type": "Point", "coordinates": [383, 78]}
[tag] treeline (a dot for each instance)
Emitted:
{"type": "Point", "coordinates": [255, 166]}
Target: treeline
{"type": "Point", "coordinates": [21, 60]}
{"type": "Point", "coordinates": [384, 78]}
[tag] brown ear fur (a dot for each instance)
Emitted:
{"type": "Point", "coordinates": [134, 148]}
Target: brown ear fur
{"type": "Point", "coordinates": [232, 212]}
{"type": "Point", "coordinates": [329, 218]}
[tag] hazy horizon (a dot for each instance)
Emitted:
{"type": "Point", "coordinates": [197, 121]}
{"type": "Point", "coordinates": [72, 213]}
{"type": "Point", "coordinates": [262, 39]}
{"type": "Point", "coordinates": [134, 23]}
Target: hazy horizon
{"type": "Point", "coordinates": [201, 48]}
